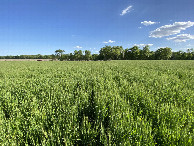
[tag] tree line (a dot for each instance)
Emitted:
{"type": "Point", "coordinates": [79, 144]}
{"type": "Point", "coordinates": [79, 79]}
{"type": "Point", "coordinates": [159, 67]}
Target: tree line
{"type": "Point", "coordinates": [114, 53]}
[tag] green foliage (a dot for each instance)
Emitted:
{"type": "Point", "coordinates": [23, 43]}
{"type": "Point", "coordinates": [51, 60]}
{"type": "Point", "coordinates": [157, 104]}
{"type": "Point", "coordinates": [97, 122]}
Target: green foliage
{"type": "Point", "coordinates": [87, 55]}
{"type": "Point", "coordinates": [97, 103]}
{"type": "Point", "coordinates": [111, 53]}
{"type": "Point", "coordinates": [163, 53]}
{"type": "Point", "coordinates": [105, 52]}
{"type": "Point", "coordinates": [132, 53]}
{"type": "Point", "coordinates": [59, 54]}
{"type": "Point", "coordinates": [78, 55]}
{"type": "Point", "coordinates": [145, 53]}
{"type": "Point", "coordinates": [95, 57]}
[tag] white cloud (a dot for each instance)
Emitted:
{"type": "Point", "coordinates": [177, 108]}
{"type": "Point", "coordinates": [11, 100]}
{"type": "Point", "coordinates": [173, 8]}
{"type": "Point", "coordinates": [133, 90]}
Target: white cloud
{"type": "Point", "coordinates": [171, 29]}
{"type": "Point", "coordinates": [78, 47]}
{"type": "Point", "coordinates": [127, 10]}
{"type": "Point", "coordinates": [162, 47]}
{"type": "Point", "coordinates": [110, 41]}
{"type": "Point", "coordinates": [181, 38]}
{"type": "Point", "coordinates": [146, 23]}
{"type": "Point", "coordinates": [143, 45]}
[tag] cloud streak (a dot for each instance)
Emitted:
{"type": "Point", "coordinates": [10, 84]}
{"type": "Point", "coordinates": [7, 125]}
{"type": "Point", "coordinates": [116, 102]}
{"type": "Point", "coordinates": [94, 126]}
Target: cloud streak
{"type": "Point", "coordinates": [78, 47]}
{"type": "Point", "coordinates": [171, 29]}
{"type": "Point", "coordinates": [110, 41]}
{"type": "Point", "coordinates": [147, 23]}
{"type": "Point", "coordinates": [143, 45]}
{"type": "Point", "coordinates": [127, 10]}
{"type": "Point", "coordinates": [181, 38]}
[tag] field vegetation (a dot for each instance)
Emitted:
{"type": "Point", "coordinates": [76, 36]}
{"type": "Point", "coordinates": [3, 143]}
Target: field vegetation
{"type": "Point", "coordinates": [97, 103]}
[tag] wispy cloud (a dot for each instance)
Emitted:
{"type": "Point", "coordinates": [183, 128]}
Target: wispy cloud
{"type": "Point", "coordinates": [171, 29]}
{"type": "Point", "coordinates": [146, 23]}
{"type": "Point", "coordinates": [143, 45]}
{"type": "Point", "coordinates": [78, 47]}
{"type": "Point", "coordinates": [110, 41]}
{"type": "Point", "coordinates": [181, 38]}
{"type": "Point", "coordinates": [127, 10]}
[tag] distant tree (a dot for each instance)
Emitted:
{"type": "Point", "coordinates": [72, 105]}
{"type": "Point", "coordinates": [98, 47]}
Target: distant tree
{"type": "Point", "coordinates": [47, 57]}
{"type": "Point", "coordinates": [145, 52]}
{"type": "Point", "coordinates": [132, 53]}
{"type": "Point", "coordinates": [152, 55]}
{"type": "Point", "coordinates": [59, 54]}
{"type": "Point", "coordinates": [17, 57]}
{"type": "Point", "coordinates": [105, 53]}
{"type": "Point", "coordinates": [95, 57]}
{"type": "Point", "coordinates": [190, 54]}
{"type": "Point", "coordinates": [184, 56]}
{"type": "Point", "coordinates": [177, 55]}
{"type": "Point", "coordinates": [8, 57]}
{"type": "Point", "coordinates": [71, 56]}
{"type": "Point", "coordinates": [114, 53]}
{"type": "Point", "coordinates": [2, 57]}
{"type": "Point", "coordinates": [117, 52]}
{"type": "Point", "coordinates": [53, 57]}
{"type": "Point", "coordinates": [163, 53]}
{"type": "Point", "coordinates": [135, 52]}
{"type": "Point", "coordinates": [87, 55]}
{"type": "Point", "coordinates": [65, 57]}
{"type": "Point", "coordinates": [127, 54]}
{"type": "Point", "coordinates": [78, 55]}
{"type": "Point", "coordinates": [39, 56]}
{"type": "Point", "coordinates": [75, 55]}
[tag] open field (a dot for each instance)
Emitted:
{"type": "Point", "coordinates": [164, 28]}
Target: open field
{"type": "Point", "coordinates": [97, 103]}
{"type": "Point", "coordinates": [25, 59]}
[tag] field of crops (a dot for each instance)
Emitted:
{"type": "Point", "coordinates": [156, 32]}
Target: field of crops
{"type": "Point", "coordinates": [97, 103]}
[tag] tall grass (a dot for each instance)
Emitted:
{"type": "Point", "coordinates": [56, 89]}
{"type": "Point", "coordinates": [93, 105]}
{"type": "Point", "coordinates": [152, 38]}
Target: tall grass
{"type": "Point", "coordinates": [97, 103]}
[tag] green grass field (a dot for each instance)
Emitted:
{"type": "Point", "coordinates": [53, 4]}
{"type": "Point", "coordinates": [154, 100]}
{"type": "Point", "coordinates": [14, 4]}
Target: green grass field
{"type": "Point", "coordinates": [97, 103]}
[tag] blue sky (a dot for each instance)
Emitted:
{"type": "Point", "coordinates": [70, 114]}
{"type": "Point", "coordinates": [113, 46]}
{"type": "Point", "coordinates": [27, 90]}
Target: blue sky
{"type": "Point", "coordinates": [43, 26]}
